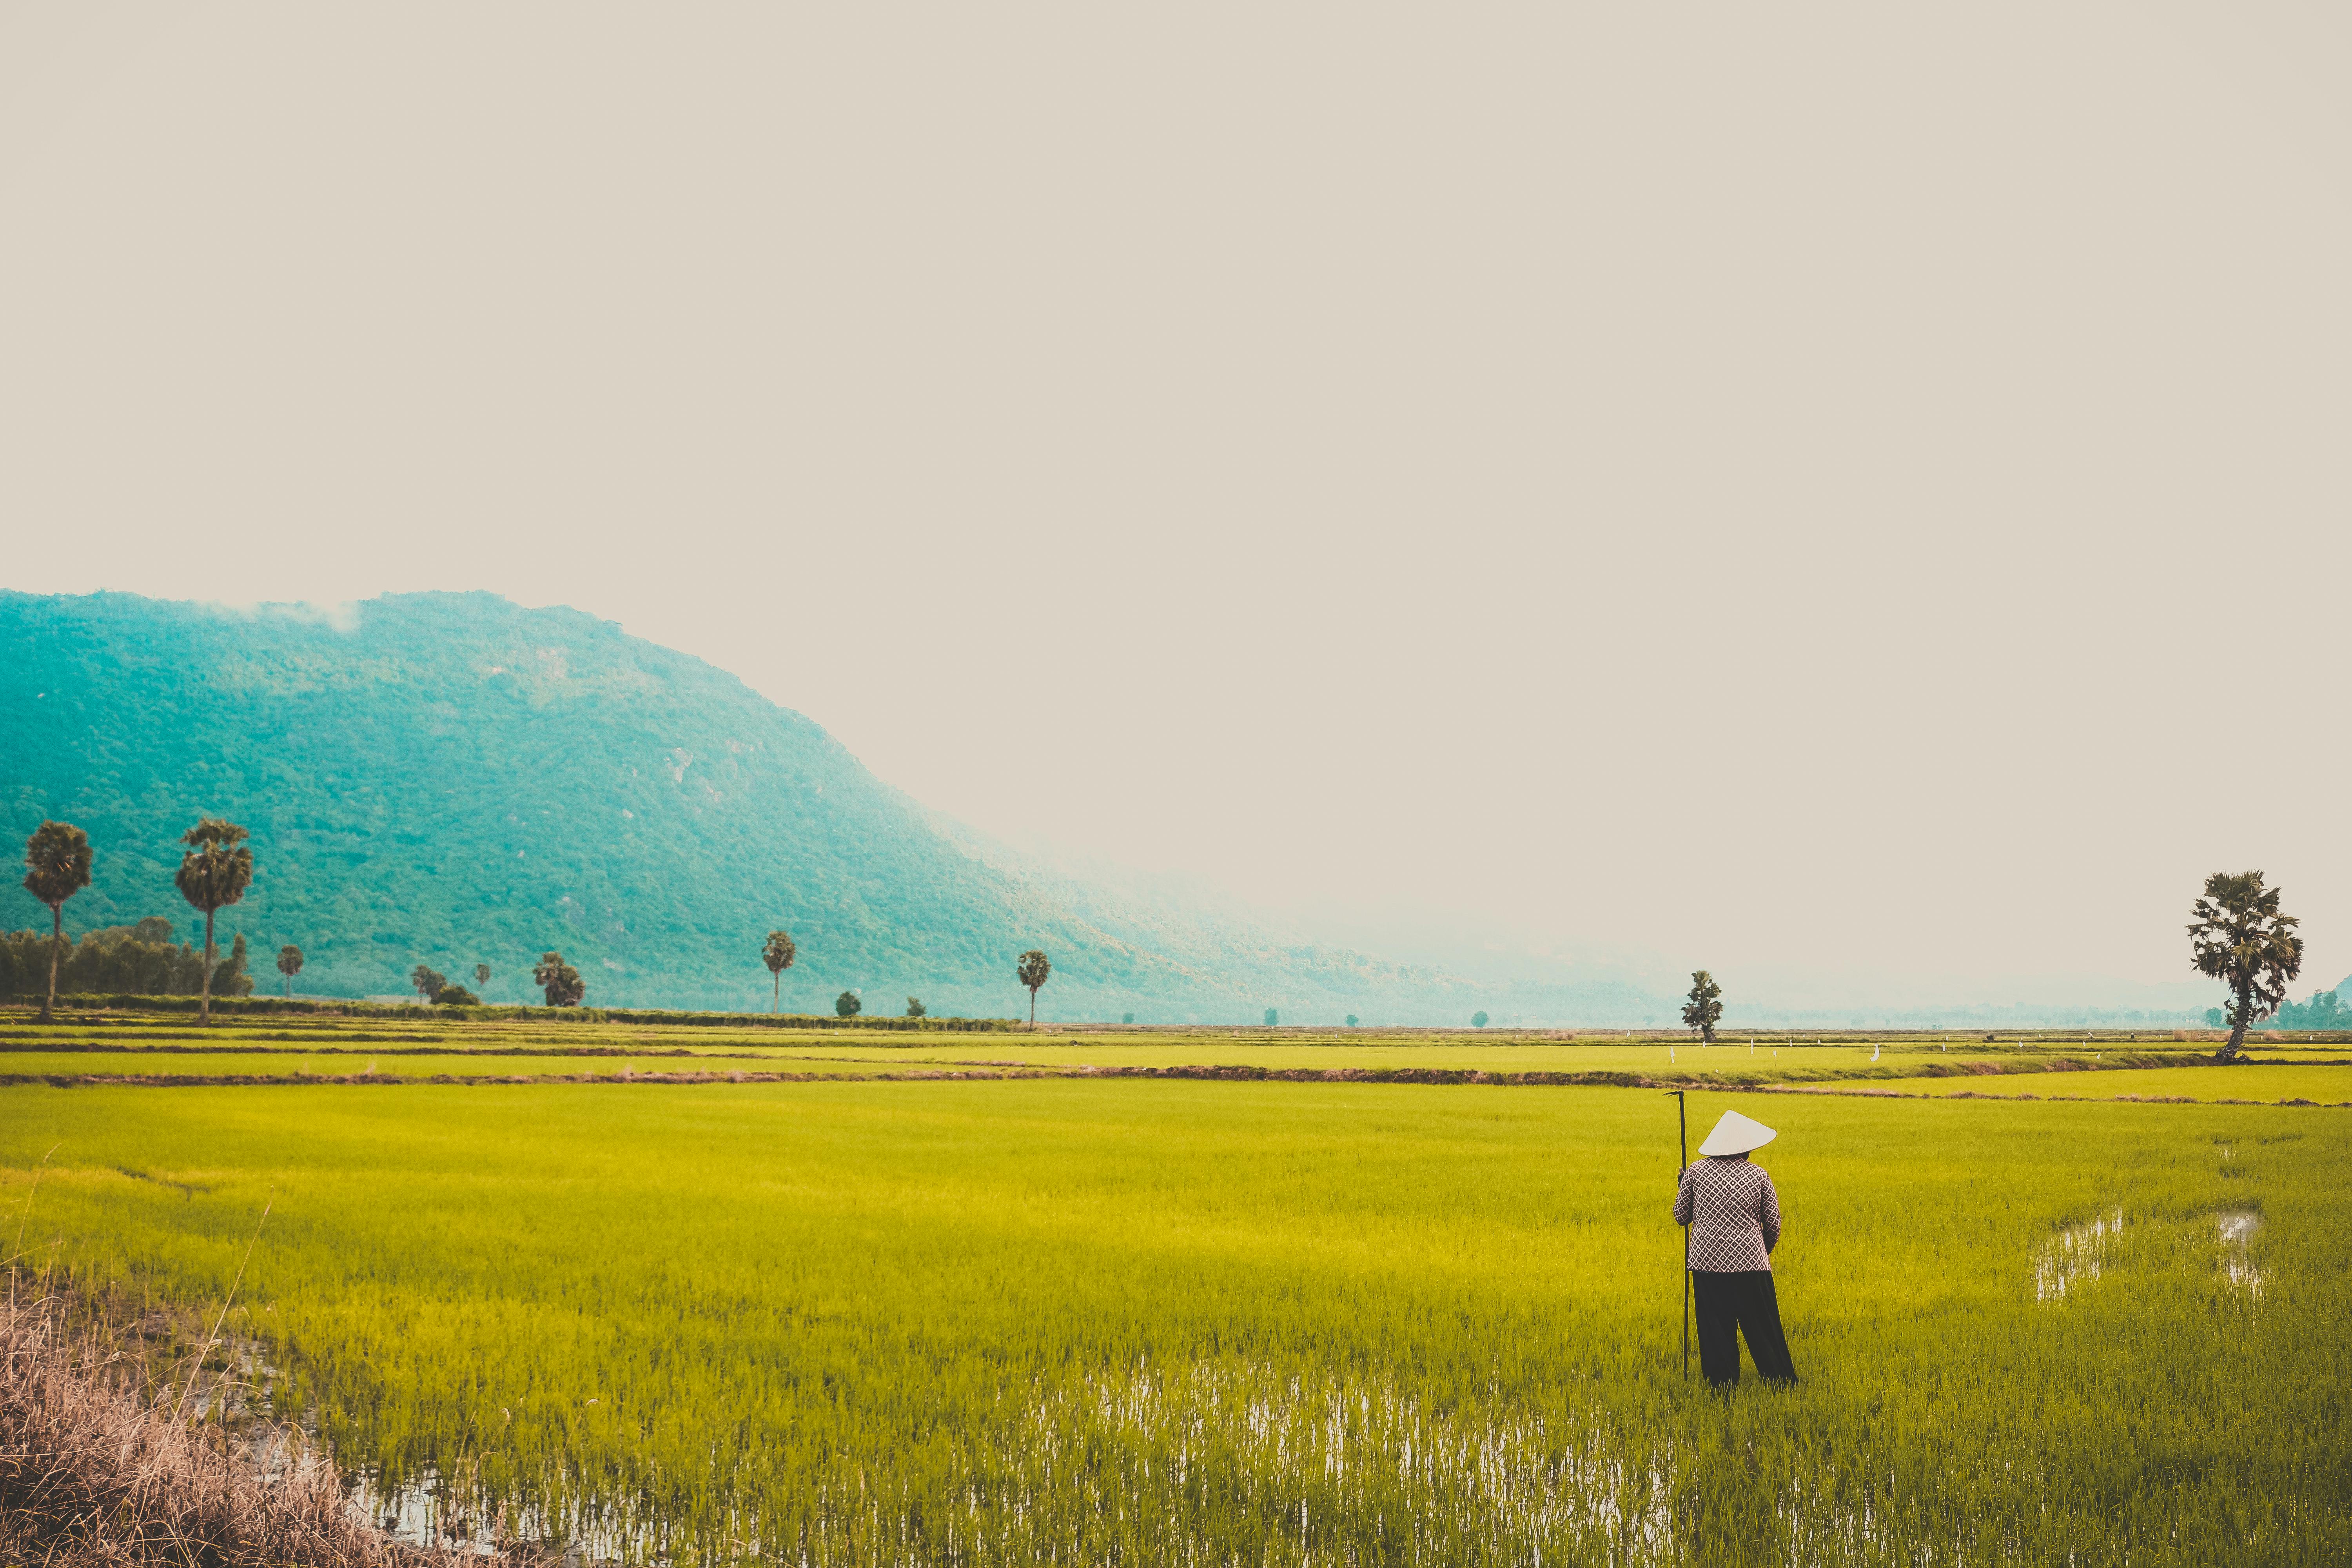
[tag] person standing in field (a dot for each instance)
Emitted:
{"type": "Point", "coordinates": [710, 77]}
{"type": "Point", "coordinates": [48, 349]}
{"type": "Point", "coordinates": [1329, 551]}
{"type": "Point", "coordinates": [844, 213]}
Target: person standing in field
{"type": "Point", "coordinates": [1734, 1219]}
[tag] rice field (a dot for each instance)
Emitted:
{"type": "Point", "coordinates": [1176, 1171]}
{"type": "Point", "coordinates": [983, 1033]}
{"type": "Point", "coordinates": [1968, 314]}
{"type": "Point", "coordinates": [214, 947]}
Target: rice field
{"type": "Point", "coordinates": [2263, 1085]}
{"type": "Point", "coordinates": [2327, 1083]}
{"type": "Point", "coordinates": [430, 1046]}
{"type": "Point", "coordinates": [1136, 1320]}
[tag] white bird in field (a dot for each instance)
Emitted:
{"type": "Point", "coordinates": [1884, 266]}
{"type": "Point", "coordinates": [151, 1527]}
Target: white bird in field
{"type": "Point", "coordinates": [1873, 1053]}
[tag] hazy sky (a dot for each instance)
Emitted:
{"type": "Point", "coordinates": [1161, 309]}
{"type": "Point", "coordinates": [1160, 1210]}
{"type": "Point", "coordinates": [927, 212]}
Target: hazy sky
{"type": "Point", "coordinates": [1830, 487]}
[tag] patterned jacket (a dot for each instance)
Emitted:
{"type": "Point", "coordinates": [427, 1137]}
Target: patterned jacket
{"type": "Point", "coordinates": [1733, 1214]}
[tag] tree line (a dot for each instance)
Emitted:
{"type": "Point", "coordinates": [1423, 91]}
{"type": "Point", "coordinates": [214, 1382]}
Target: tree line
{"type": "Point", "coordinates": [216, 867]}
{"type": "Point", "coordinates": [138, 959]}
{"type": "Point", "coordinates": [779, 952]}
{"type": "Point", "coordinates": [2237, 934]}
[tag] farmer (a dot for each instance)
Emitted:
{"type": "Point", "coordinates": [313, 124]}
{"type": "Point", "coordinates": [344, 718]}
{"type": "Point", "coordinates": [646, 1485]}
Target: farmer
{"type": "Point", "coordinates": [1734, 1219]}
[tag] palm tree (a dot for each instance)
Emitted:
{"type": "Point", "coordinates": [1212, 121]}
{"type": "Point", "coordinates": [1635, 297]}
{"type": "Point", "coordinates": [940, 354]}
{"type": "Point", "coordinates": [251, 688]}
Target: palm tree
{"type": "Point", "coordinates": [214, 874]}
{"type": "Point", "coordinates": [2240, 938]}
{"type": "Point", "coordinates": [289, 964]}
{"type": "Point", "coordinates": [57, 866]}
{"type": "Point", "coordinates": [1704, 1011]}
{"type": "Point", "coordinates": [778, 956]}
{"type": "Point", "coordinates": [482, 975]}
{"type": "Point", "coordinates": [1034, 970]}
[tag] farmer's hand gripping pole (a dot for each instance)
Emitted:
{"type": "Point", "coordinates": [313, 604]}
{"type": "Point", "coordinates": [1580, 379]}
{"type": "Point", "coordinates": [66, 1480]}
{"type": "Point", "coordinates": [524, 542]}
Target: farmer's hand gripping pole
{"type": "Point", "coordinates": [1682, 1124]}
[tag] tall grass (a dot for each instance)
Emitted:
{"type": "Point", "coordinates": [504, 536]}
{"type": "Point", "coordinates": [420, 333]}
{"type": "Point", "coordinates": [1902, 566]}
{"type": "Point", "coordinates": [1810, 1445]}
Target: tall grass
{"type": "Point", "coordinates": [1056, 1321]}
{"type": "Point", "coordinates": [99, 1470]}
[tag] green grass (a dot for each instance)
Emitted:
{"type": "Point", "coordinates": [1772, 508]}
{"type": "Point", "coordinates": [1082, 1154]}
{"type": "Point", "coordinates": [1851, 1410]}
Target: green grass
{"type": "Point", "coordinates": [1151, 1322]}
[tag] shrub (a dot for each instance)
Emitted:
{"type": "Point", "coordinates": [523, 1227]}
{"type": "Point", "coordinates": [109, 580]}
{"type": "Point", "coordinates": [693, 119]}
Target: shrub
{"type": "Point", "coordinates": [562, 982]}
{"type": "Point", "coordinates": [456, 996]}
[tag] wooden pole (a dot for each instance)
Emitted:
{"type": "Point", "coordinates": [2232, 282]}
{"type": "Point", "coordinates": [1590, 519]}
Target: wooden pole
{"type": "Point", "coordinates": [1682, 1123]}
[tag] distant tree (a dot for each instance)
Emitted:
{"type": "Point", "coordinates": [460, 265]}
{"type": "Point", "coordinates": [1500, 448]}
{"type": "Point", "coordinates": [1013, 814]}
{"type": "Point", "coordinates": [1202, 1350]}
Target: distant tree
{"type": "Point", "coordinates": [57, 866]}
{"type": "Point", "coordinates": [427, 983]}
{"type": "Point", "coordinates": [2324, 1012]}
{"type": "Point", "coordinates": [1704, 1010]}
{"type": "Point", "coordinates": [915, 1008]}
{"type": "Point", "coordinates": [456, 996]}
{"type": "Point", "coordinates": [562, 982]}
{"type": "Point", "coordinates": [2240, 939]}
{"type": "Point", "coordinates": [231, 979]}
{"type": "Point", "coordinates": [1351, 1020]}
{"type": "Point", "coordinates": [1033, 970]}
{"type": "Point", "coordinates": [847, 1005]}
{"type": "Point", "coordinates": [1127, 1017]}
{"type": "Point", "coordinates": [2214, 1018]}
{"type": "Point", "coordinates": [778, 956]}
{"type": "Point", "coordinates": [214, 871]}
{"type": "Point", "coordinates": [482, 975]}
{"type": "Point", "coordinates": [1478, 1020]}
{"type": "Point", "coordinates": [1273, 1018]}
{"type": "Point", "coordinates": [289, 964]}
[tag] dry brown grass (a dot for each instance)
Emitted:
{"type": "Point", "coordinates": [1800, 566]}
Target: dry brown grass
{"type": "Point", "coordinates": [92, 1472]}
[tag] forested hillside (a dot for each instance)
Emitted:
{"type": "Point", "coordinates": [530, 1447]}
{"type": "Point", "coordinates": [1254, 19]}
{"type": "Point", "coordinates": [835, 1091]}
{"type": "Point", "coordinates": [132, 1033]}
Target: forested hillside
{"type": "Point", "coordinates": [452, 779]}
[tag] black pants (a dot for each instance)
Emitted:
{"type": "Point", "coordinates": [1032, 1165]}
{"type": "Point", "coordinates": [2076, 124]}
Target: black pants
{"type": "Point", "coordinates": [1730, 1305]}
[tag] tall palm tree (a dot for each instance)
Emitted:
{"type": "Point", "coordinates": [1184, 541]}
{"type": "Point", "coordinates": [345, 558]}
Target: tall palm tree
{"type": "Point", "coordinates": [214, 874]}
{"type": "Point", "coordinates": [57, 866]}
{"type": "Point", "coordinates": [289, 964]}
{"type": "Point", "coordinates": [2240, 938]}
{"type": "Point", "coordinates": [1034, 970]}
{"type": "Point", "coordinates": [778, 956]}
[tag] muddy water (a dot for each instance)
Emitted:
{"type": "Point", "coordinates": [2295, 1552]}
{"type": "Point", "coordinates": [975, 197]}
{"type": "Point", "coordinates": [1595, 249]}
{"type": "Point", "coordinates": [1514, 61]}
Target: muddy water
{"type": "Point", "coordinates": [2074, 1257]}
{"type": "Point", "coordinates": [2235, 1228]}
{"type": "Point", "coordinates": [2079, 1253]}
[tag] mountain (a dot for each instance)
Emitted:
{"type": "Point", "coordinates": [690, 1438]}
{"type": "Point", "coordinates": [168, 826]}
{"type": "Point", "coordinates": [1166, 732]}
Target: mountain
{"type": "Point", "coordinates": [451, 778]}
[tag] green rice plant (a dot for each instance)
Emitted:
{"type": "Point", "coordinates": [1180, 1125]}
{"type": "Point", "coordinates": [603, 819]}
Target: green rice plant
{"type": "Point", "coordinates": [1136, 1321]}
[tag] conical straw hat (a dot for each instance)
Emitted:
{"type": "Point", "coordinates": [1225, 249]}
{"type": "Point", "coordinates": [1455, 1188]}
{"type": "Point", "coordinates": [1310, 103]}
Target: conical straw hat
{"type": "Point", "coordinates": [1737, 1134]}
